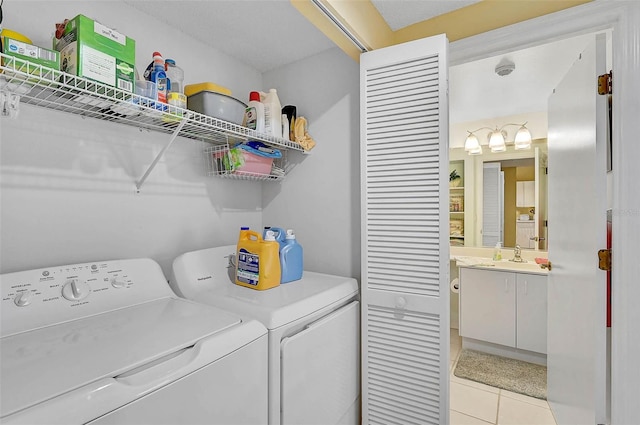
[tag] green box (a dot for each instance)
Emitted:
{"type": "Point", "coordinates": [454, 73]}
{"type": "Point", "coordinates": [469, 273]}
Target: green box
{"type": "Point", "coordinates": [91, 50]}
{"type": "Point", "coordinates": [33, 54]}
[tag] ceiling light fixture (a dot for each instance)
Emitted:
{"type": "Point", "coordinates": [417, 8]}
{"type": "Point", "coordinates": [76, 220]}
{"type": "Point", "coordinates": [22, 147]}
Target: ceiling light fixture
{"type": "Point", "coordinates": [338, 23]}
{"type": "Point", "coordinates": [498, 139]}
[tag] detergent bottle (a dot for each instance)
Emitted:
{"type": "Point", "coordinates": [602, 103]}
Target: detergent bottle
{"type": "Point", "coordinates": [278, 233]}
{"type": "Point", "coordinates": [272, 113]}
{"type": "Point", "coordinates": [291, 261]}
{"type": "Point", "coordinates": [254, 113]}
{"type": "Point", "coordinates": [159, 76]}
{"type": "Point", "coordinates": [257, 260]}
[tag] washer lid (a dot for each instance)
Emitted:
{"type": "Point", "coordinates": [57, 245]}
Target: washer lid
{"type": "Point", "coordinates": [206, 276]}
{"type": "Point", "coordinates": [283, 304]}
{"type": "Point", "coordinates": [49, 361]}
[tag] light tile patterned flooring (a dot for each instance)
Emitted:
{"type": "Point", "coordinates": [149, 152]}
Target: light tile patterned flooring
{"type": "Point", "coordinates": [473, 403]}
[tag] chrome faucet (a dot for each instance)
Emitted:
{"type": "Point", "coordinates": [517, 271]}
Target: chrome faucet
{"type": "Point", "coordinates": [516, 255]}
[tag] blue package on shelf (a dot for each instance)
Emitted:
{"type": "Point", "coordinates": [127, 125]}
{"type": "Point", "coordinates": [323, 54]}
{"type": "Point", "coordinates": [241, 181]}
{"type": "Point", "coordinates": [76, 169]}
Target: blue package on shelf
{"type": "Point", "coordinates": [260, 149]}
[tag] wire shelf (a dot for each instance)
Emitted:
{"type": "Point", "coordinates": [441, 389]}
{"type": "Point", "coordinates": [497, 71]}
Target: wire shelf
{"type": "Point", "coordinates": [45, 87]}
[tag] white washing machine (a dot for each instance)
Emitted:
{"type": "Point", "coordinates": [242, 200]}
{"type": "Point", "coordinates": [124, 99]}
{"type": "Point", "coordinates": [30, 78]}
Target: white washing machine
{"type": "Point", "coordinates": [314, 335]}
{"type": "Point", "coordinates": [109, 342]}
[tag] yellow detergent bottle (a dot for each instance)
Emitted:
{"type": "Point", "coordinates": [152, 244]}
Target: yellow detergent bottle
{"type": "Point", "coordinates": [257, 260]}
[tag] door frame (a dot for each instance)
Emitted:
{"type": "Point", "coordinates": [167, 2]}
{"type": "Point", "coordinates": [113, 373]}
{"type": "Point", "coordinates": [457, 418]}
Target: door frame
{"type": "Point", "coordinates": [623, 17]}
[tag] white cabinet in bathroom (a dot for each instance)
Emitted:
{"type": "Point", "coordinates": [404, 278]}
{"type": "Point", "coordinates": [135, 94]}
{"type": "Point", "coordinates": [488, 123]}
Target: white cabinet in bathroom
{"type": "Point", "coordinates": [525, 194]}
{"type": "Point", "coordinates": [531, 312]}
{"type": "Point", "coordinates": [488, 306]}
{"type": "Point", "coordinates": [504, 308]}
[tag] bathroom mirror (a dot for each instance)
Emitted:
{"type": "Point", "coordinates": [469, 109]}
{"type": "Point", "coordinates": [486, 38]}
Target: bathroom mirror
{"type": "Point", "coordinates": [503, 198]}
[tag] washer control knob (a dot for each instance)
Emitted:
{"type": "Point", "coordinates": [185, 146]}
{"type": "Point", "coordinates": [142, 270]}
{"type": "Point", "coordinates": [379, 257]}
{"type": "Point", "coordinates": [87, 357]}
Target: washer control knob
{"type": "Point", "coordinates": [75, 290]}
{"type": "Point", "coordinates": [118, 283]}
{"type": "Point", "coordinates": [23, 298]}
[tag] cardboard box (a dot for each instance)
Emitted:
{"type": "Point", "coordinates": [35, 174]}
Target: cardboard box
{"type": "Point", "coordinates": [91, 50]}
{"type": "Point", "coordinates": [29, 52]}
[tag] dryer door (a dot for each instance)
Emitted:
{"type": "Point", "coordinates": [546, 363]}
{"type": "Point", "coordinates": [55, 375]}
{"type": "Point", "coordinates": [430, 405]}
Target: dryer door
{"type": "Point", "coordinates": [320, 371]}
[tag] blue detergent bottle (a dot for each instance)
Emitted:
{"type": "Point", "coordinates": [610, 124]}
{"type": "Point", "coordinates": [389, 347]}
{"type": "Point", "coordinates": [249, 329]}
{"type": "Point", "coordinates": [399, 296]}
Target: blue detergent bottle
{"type": "Point", "coordinates": [291, 262]}
{"type": "Point", "coordinates": [279, 234]}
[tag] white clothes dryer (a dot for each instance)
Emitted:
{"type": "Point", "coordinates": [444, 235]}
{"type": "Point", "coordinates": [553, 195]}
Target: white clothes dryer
{"type": "Point", "coordinates": [314, 335]}
{"type": "Point", "coordinates": [109, 342]}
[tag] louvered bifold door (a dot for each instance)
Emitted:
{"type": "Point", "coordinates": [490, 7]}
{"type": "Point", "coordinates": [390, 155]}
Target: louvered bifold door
{"type": "Point", "coordinates": [405, 223]}
{"type": "Point", "coordinates": [491, 200]}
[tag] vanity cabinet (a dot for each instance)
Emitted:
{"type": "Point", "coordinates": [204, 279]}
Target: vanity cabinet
{"type": "Point", "coordinates": [531, 312]}
{"type": "Point", "coordinates": [525, 194]}
{"type": "Point", "coordinates": [504, 308]}
{"type": "Point", "coordinates": [488, 306]}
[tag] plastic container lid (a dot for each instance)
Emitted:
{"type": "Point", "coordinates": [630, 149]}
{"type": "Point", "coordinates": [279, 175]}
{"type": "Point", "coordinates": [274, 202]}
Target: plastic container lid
{"type": "Point", "coordinates": [170, 61]}
{"type": "Point", "coordinates": [290, 234]}
{"type": "Point", "coordinates": [6, 32]}
{"type": "Point", "coordinates": [192, 89]}
{"type": "Point", "coordinates": [254, 96]}
{"type": "Point", "coordinates": [270, 236]}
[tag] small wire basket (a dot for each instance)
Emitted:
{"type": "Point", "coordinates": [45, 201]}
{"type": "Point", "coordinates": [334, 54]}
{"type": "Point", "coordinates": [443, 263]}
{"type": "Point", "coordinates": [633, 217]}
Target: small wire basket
{"type": "Point", "coordinates": [222, 161]}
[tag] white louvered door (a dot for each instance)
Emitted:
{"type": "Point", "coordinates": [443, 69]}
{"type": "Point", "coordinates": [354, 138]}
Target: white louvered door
{"type": "Point", "coordinates": [492, 204]}
{"type": "Point", "coordinates": [405, 224]}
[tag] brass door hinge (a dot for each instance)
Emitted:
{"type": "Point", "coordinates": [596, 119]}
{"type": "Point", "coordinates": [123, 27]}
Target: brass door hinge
{"type": "Point", "coordinates": [604, 259]}
{"type": "Point", "coordinates": [605, 83]}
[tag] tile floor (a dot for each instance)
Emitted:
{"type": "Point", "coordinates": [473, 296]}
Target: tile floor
{"type": "Point", "coordinates": [473, 403]}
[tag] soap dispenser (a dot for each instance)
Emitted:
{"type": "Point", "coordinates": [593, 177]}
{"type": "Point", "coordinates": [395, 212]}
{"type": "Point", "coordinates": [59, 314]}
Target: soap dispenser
{"type": "Point", "coordinates": [497, 252]}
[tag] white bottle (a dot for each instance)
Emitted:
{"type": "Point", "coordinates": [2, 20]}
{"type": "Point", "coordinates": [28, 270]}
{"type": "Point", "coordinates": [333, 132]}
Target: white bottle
{"type": "Point", "coordinates": [254, 113]}
{"type": "Point", "coordinates": [272, 113]}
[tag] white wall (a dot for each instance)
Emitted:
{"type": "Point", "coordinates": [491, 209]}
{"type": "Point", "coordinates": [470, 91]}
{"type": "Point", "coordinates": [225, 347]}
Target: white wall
{"type": "Point", "coordinates": [320, 198]}
{"type": "Point", "coordinates": [36, 19]}
{"type": "Point", "coordinates": [67, 183]}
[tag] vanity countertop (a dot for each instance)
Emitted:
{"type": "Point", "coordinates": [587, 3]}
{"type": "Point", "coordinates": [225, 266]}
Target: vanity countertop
{"type": "Point", "coordinates": [500, 265]}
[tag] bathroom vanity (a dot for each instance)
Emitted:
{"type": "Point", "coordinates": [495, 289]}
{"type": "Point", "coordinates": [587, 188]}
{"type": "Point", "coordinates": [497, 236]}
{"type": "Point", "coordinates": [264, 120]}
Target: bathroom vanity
{"type": "Point", "coordinates": [503, 309]}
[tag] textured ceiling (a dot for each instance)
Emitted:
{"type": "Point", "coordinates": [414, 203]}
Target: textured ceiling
{"type": "Point", "coordinates": [401, 13]}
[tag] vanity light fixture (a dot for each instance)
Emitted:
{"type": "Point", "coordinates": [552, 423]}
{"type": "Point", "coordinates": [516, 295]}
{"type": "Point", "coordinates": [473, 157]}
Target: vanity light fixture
{"type": "Point", "coordinates": [497, 139]}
